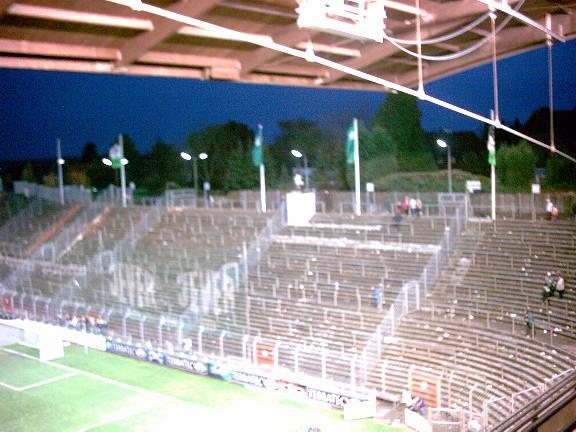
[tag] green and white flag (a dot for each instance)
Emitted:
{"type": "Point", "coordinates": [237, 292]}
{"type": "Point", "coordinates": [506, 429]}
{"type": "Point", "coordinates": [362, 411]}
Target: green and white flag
{"type": "Point", "coordinates": [491, 147]}
{"type": "Point", "coordinates": [257, 150]}
{"type": "Point", "coordinates": [116, 155]}
{"type": "Point", "coordinates": [350, 143]}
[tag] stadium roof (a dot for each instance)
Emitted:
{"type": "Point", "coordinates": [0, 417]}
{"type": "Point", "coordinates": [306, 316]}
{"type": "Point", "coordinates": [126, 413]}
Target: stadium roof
{"type": "Point", "coordinates": [103, 37]}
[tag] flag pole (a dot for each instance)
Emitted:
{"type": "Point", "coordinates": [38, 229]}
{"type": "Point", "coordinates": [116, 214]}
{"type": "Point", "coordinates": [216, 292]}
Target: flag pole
{"type": "Point", "coordinates": [59, 162]}
{"type": "Point", "coordinates": [493, 178]}
{"type": "Point", "coordinates": [357, 209]}
{"type": "Point", "coordinates": [262, 175]}
{"type": "Point", "coordinates": [262, 188]}
{"type": "Point", "coordinates": [122, 171]}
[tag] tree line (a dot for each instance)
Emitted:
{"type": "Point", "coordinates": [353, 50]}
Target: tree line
{"type": "Point", "coordinates": [394, 142]}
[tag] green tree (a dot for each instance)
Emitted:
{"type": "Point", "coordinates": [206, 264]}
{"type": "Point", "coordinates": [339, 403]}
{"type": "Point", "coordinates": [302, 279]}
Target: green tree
{"type": "Point", "coordinates": [302, 135]}
{"type": "Point", "coordinates": [240, 172]}
{"type": "Point", "coordinates": [400, 116]}
{"type": "Point", "coordinates": [377, 155]}
{"type": "Point", "coordinates": [221, 142]}
{"type": "Point", "coordinates": [89, 153]}
{"type": "Point", "coordinates": [516, 165]}
{"type": "Point", "coordinates": [28, 173]}
{"type": "Point", "coordinates": [50, 180]}
{"type": "Point", "coordinates": [560, 173]}
{"type": "Point", "coordinates": [165, 167]}
{"type": "Point", "coordinates": [78, 174]}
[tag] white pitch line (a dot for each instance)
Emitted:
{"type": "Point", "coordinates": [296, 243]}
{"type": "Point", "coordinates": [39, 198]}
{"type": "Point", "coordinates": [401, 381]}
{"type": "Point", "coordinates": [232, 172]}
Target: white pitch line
{"type": "Point", "coordinates": [88, 374]}
{"type": "Point", "coordinates": [123, 415]}
{"type": "Point", "coordinates": [47, 381]}
{"type": "Point", "coordinates": [156, 397]}
{"type": "Point", "coordinates": [8, 386]}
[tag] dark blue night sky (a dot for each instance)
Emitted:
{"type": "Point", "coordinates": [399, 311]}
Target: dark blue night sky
{"type": "Point", "coordinates": [36, 107]}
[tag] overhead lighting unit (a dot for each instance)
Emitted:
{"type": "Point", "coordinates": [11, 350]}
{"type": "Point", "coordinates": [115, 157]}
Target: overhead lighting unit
{"type": "Point", "coordinates": [359, 19]}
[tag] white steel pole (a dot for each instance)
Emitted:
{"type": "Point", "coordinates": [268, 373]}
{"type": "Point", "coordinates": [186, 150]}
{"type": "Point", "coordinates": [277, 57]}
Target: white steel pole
{"type": "Point", "coordinates": [449, 170]}
{"type": "Point", "coordinates": [122, 171]}
{"type": "Point", "coordinates": [263, 188]}
{"type": "Point", "coordinates": [357, 209]}
{"type": "Point", "coordinates": [493, 181]}
{"type": "Point", "coordinates": [59, 162]}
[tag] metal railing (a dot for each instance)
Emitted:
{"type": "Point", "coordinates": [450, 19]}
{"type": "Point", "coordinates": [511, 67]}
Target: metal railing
{"type": "Point", "coordinates": [73, 194]}
{"type": "Point", "coordinates": [413, 293]}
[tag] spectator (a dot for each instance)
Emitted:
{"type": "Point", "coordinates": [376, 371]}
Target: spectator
{"type": "Point", "coordinates": [419, 405]}
{"type": "Point", "coordinates": [406, 398]}
{"type": "Point", "coordinates": [554, 213]}
{"type": "Point", "coordinates": [529, 323]}
{"type": "Point", "coordinates": [560, 286]}
{"type": "Point", "coordinates": [413, 207]}
{"type": "Point", "coordinates": [550, 282]}
{"type": "Point", "coordinates": [549, 207]}
{"type": "Point", "coordinates": [418, 207]}
{"type": "Point", "coordinates": [406, 205]}
{"type": "Point", "coordinates": [377, 295]}
{"type": "Point", "coordinates": [397, 218]}
{"type": "Point", "coordinates": [545, 293]}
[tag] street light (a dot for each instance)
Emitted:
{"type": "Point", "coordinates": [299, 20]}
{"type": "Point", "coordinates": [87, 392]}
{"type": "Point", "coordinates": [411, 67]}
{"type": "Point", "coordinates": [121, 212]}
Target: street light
{"type": "Point", "coordinates": [443, 144]}
{"type": "Point", "coordinates": [187, 157]}
{"type": "Point", "coordinates": [204, 156]}
{"type": "Point", "coordinates": [298, 154]}
{"type": "Point", "coordinates": [60, 162]}
{"type": "Point", "coordinates": [123, 163]}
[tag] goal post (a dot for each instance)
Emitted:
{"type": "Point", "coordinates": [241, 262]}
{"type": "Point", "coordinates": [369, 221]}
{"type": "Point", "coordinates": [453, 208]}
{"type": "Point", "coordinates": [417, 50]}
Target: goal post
{"type": "Point", "coordinates": [46, 340]}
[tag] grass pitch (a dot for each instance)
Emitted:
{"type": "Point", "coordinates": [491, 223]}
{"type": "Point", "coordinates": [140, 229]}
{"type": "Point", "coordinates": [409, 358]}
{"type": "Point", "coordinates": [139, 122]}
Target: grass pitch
{"type": "Point", "coordinates": [94, 391]}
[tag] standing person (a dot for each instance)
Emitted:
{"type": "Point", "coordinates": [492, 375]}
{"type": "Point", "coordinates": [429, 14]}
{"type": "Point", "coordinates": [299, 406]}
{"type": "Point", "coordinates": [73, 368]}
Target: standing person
{"type": "Point", "coordinates": [377, 294]}
{"type": "Point", "coordinates": [549, 207]}
{"type": "Point", "coordinates": [554, 213]}
{"type": "Point", "coordinates": [529, 323]}
{"type": "Point", "coordinates": [397, 218]}
{"type": "Point", "coordinates": [550, 282]}
{"type": "Point", "coordinates": [406, 205]}
{"type": "Point", "coordinates": [560, 286]}
{"type": "Point", "coordinates": [545, 293]}
{"type": "Point", "coordinates": [418, 207]}
{"type": "Point", "coordinates": [413, 207]}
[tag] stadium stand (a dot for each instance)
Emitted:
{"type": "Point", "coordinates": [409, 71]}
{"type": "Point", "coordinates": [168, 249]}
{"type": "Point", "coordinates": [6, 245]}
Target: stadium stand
{"type": "Point", "coordinates": [237, 284]}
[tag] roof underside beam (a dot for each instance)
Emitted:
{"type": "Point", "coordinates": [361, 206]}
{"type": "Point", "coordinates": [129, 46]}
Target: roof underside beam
{"type": "Point", "coordinates": [4, 6]}
{"type": "Point", "coordinates": [163, 28]}
{"type": "Point", "coordinates": [66, 15]}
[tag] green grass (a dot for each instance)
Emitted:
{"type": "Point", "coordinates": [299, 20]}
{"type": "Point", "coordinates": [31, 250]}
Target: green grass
{"type": "Point", "coordinates": [91, 390]}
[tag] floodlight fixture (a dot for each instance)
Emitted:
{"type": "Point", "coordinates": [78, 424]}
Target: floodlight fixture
{"type": "Point", "coordinates": [186, 156]}
{"type": "Point", "coordinates": [296, 153]}
{"type": "Point", "coordinates": [202, 156]}
{"type": "Point", "coordinates": [107, 161]}
{"type": "Point", "coordinates": [445, 145]}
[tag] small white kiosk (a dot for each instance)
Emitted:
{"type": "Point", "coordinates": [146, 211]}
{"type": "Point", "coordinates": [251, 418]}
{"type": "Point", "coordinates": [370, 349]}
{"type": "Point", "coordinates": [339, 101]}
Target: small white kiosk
{"type": "Point", "coordinates": [300, 207]}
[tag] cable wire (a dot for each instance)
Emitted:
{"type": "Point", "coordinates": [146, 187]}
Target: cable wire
{"type": "Point", "coordinates": [459, 54]}
{"type": "Point", "coordinates": [445, 37]}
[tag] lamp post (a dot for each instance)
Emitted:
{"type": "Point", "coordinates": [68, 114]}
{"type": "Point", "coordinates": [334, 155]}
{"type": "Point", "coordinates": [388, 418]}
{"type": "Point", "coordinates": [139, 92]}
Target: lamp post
{"type": "Point", "coordinates": [194, 159]}
{"type": "Point", "coordinates": [60, 162]}
{"type": "Point", "coordinates": [123, 163]}
{"type": "Point", "coordinates": [298, 154]}
{"type": "Point", "coordinates": [204, 156]}
{"type": "Point", "coordinates": [443, 144]}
